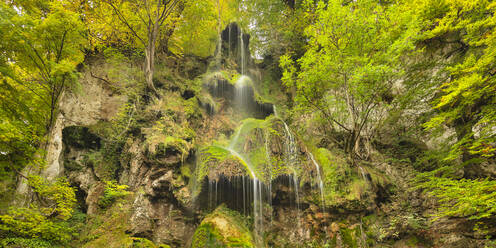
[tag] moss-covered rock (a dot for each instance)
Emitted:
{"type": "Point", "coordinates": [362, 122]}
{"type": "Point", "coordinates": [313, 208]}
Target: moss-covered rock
{"type": "Point", "coordinates": [223, 228]}
{"type": "Point", "coordinates": [171, 138]}
{"type": "Point", "coordinates": [351, 187]}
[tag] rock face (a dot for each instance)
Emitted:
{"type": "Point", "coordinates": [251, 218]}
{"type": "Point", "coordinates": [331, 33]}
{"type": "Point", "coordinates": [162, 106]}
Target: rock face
{"type": "Point", "coordinates": [165, 151]}
{"type": "Point", "coordinates": [94, 102]}
{"type": "Point", "coordinates": [211, 165]}
{"type": "Point", "coordinates": [236, 48]}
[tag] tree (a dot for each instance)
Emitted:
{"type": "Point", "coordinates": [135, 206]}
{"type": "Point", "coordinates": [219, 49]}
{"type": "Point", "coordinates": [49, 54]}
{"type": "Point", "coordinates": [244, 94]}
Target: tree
{"type": "Point", "coordinates": [279, 25]}
{"type": "Point", "coordinates": [349, 67]}
{"type": "Point", "coordinates": [144, 19]}
{"type": "Point", "coordinates": [466, 101]}
{"type": "Point", "coordinates": [200, 25]}
{"type": "Point", "coordinates": [41, 46]}
{"type": "Point", "coordinates": [196, 32]}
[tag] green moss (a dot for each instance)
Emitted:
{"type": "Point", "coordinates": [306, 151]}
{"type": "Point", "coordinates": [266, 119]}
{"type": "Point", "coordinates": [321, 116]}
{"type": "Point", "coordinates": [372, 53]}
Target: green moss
{"type": "Point", "coordinates": [110, 228]}
{"type": "Point", "coordinates": [230, 75]}
{"type": "Point", "coordinates": [343, 183]}
{"type": "Point", "coordinates": [223, 228]}
{"type": "Point", "coordinates": [412, 241]}
{"type": "Point", "coordinates": [26, 243]}
{"type": "Point", "coordinates": [349, 237]}
{"type": "Point", "coordinates": [169, 135]}
{"type": "Point", "coordinates": [103, 166]}
{"type": "Point", "coordinates": [270, 91]}
{"type": "Point", "coordinates": [106, 160]}
{"type": "Point", "coordinates": [72, 165]}
{"type": "Point", "coordinates": [185, 171]}
{"type": "Point", "coordinates": [206, 236]}
{"type": "Point", "coordinates": [142, 243]}
{"type": "Point", "coordinates": [250, 141]}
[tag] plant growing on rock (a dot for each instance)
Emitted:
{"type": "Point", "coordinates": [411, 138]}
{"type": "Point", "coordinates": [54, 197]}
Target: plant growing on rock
{"type": "Point", "coordinates": [113, 192]}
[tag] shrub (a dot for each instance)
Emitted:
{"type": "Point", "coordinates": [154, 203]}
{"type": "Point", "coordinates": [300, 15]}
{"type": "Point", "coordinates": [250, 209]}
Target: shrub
{"type": "Point", "coordinates": [113, 191]}
{"type": "Point", "coordinates": [45, 218]}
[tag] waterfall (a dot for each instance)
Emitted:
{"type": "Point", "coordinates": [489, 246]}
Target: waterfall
{"type": "Point", "coordinates": [319, 180]}
{"type": "Point", "coordinates": [242, 53]}
{"type": "Point", "coordinates": [291, 151]}
{"type": "Point", "coordinates": [269, 164]}
{"type": "Point", "coordinates": [363, 173]}
{"type": "Point", "coordinates": [291, 159]}
{"type": "Point", "coordinates": [241, 92]}
{"type": "Point", "coordinates": [257, 195]}
{"type": "Point", "coordinates": [234, 140]}
{"type": "Point", "coordinates": [247, 190]}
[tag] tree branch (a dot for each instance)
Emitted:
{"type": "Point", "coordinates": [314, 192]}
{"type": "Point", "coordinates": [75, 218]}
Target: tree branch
{"type": "Point", "coordinates": [123, 20]}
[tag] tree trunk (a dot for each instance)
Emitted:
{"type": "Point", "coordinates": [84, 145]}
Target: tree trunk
{"type": "Point", "coordinates": [150, 66]}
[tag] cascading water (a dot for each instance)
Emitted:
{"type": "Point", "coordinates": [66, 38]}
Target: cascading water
{"type": "Point", "coordinates": [291, 161]}
{"type": "Point", "coordinates": [241, 94]}
{"type": "Point", "coordinates": [257, 195]}
{"type": "Point", "coordinates": [363, 173]}
{"type": "Point", "coordinates": [252, 187]}
{"type": "Point", "coordinates": [242, 55]}
{"type": "Point", "coordinates": [319, 180]}
{"type": "Point", "coordinates": [267, 157]}
{"type": "Point", "coordinates": [291, 150]}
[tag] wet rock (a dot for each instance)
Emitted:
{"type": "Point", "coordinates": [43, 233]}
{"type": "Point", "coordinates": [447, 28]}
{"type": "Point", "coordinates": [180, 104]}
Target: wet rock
{"type": "Point", "coordinates": [223, 228]}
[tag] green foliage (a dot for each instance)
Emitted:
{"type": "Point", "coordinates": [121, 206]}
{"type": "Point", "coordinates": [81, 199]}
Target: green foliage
{"type": "Point", "coordinates": [112, 193]}
{"type": "Point", "coordinates": [197, 32]}
{"type": "Point", "coordinates": [25, 243]}
{"type": "Point", "coordinates": [467, 100]}
{"type": "Point", "coordinates": [474, 199]}
{"type": "Point", "coordinates": [59, 192]}
{"type": "Point", "coordinates": [44, 45]}
{"type": "Point", "coordinates": [280, 26]}
{"type": "Point", "coordinates": [124, 77]}
{"type": "Point", "coordinates": [349, 66]}
{"type": "Point", "coordinates": [113, 135]}
{"type": "Point", "coordinates": [45, 219]}
{"type": "Point", "coordinates": [41, 46]}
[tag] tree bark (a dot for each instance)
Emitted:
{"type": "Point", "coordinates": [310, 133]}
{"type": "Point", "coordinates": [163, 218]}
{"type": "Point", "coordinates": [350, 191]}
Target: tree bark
{"type": "Point", "coordinates": [150, 64]}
